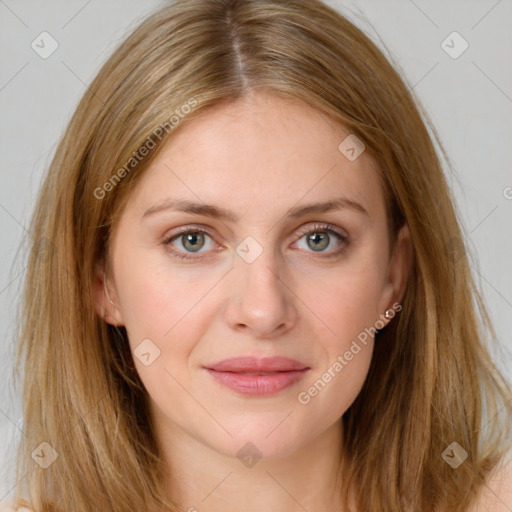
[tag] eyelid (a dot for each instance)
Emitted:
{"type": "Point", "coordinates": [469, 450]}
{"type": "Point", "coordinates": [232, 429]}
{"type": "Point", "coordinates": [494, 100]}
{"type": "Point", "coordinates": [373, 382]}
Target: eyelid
{"type": "Point", "coordinates": [303, 230]}
{"type": "Point", "coordinates": [324, 226]}
{"type": "Point", "coordinates": [186, 229]}
{"type": "Point", "coordinates": [321, 226]}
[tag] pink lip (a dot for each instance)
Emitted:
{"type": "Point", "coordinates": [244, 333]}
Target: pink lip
{"type": "Point", "coordinates": [253, 376]}
{"type": "Point", "coordinates": [254, 364]}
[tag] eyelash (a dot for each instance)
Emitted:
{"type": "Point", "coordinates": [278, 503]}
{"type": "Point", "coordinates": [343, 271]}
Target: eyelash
{"type": "Point", "coordinates": [327, 228]}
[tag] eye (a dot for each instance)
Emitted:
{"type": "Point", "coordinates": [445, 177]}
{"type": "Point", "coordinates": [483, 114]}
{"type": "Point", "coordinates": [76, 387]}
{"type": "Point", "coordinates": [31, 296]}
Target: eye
{"type": "Point", "coordinates": [190, 240]}
{"type": "Point", "coordinates": [318, 238]}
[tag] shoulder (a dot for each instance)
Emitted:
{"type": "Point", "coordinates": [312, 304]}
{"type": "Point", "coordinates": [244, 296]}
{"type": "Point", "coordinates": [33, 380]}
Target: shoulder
{"type": "Point", "coordinates": [496, 494]}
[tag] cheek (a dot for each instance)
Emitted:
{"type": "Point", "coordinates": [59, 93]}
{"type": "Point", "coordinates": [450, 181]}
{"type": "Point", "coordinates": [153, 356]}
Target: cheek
{"type": "Point", "coordinates": [331, 391]}
{"type": "Point", "coordinates": [169, 311]}
{"type": "Point", "coordinates": [347, 311]}
{"type": "Point", "coordinates": [159, 302]}
{"type": "Point", "coordinates": [346, 306]}
{"type": "Point", "coordinates": [346, 302]}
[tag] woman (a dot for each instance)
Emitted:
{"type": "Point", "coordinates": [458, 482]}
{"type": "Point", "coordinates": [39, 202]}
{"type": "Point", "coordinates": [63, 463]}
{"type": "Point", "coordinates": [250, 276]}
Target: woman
{"type": "Point", "coordinates": [253, 298]}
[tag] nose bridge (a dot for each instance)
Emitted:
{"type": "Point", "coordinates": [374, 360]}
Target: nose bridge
{"type": "Point", "coordinates": [257, 265]}
{"type": "Point", "coordinates": [259, 297]}
{"type": "Point", "coordinates": [257, 270]}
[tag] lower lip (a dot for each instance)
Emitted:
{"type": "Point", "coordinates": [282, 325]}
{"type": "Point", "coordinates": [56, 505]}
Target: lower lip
{"type": "Point", "coordinates": [258, 385]}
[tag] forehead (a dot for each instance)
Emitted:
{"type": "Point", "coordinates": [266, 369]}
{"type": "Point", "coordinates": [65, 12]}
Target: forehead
{"type": "Point", "coordinates": [261, 155]}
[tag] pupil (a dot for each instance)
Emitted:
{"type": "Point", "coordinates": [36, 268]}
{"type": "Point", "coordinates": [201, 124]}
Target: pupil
{"type": "Point", "coordinates": [314, 237]}
{"type": "Point", "coordinates": [193, 238]}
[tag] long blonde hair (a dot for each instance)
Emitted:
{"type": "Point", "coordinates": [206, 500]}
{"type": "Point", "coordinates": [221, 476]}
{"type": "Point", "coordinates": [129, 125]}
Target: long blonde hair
{"type": "Point", "coordinates": [432, 380]}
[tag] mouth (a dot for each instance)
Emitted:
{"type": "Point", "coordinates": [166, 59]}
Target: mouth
{"type": "Point", "coordinates": [258, 377]}
{"type": "Point", "coordinates": [250, 364]}
{"type": "Point", "coordinates": [255, 373]}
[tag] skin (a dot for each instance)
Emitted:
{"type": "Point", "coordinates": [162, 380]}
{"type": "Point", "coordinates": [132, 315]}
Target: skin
{"type": "Point", "coordinates": [257, 157]}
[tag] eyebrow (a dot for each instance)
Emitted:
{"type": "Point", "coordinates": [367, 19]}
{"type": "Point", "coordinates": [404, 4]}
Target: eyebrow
{"type": "Point", "coordinates": [217, 212]}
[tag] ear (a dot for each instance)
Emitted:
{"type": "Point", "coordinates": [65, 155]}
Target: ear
{"type": "Point", "coordinates": [105, 297]}
{"type": "Point", "coordinates": [398, 270]}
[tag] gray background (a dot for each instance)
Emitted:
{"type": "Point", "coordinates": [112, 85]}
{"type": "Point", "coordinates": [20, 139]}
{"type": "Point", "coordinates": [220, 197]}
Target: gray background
{"type": "Point", "coordinates": [469, 99]}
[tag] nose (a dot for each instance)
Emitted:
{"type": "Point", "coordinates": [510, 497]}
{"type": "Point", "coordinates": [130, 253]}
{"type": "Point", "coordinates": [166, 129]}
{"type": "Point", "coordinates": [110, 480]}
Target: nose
{"type": "Point", "coordinates": [260, 301]}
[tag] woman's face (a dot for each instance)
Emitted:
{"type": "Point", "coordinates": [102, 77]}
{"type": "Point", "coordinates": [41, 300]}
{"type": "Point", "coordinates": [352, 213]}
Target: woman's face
{"type": "Point", "coordinates": [254, 283]}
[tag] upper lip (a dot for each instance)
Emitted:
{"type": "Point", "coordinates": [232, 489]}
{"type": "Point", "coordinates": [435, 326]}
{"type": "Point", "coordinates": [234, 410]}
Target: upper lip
{"type": "Point", "coordinates": [255, 364]}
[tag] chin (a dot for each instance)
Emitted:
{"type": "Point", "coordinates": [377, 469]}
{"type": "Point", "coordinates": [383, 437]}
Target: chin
{"type": "Point", "coordinates": [253, 443]}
